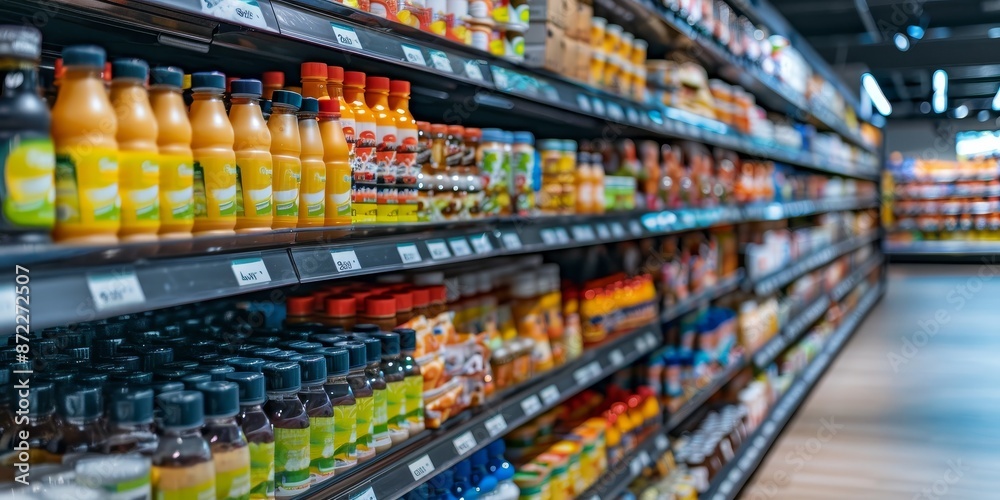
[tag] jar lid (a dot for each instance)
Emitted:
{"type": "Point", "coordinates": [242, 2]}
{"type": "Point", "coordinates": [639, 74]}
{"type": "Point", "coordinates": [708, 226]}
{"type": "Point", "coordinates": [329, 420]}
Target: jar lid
{"type": "Point", "coordinates": [130, 363]}
{"type": "Point", "coordinates": [357, 353]}
{"type": "Point", "coordinates": [439, 128]}
{"type": "Point", "coordinates": [217, 372]}
{"type": "Point", "coordinates": [286, 97]}
{"type": "Point", "coordinates": [20, 42]}
{"type": "Point", "coordinates": [439, 293]}
{"type": "Point", "coordinates": [329, 107]}
{"type": "Point", "coordinates": [421, 296]}
{"type": "Point", "coordinates": [341, 305]}
{"type": "Point", "coordinates": [335, 74]}
{"type": "Point", "coordinates": [131, 406]}
{"type": "Point", "coordinates": [303, 347]}
{"type": "Point", "coordinates": [338, 362]}
{"type": "Point", "coordinates": [89, 379]}
{"type": "Point", "coordinates": [129, 68]}
{"type": "Point", "coordinates": [492, 135]}
{"type": "Point", "coordinates": [377, 84]}
{"type": "Point", "coordinates": [456, 130]}
{"type": "Point", "coordinates": [90, 56]}
{"type": "Point", "coordinates": [313, 70]}
{"type": "Point", "coordinates": [373, 349]}
{"type": "Point", "coordinates": [380, 305]}
{"type": "Point", "coordinates": [399, 87]}
{"type": "Point", "coordinates": [247, 87]}
{"type": "Point", "coordinates": [550, 145]}
{"type": "Point", "coordinates": [242, 364]}
{"type": "Point", "coordinates": [222, 399]}
{"type": "Point", "coordinates": [282, 377]}
{"type": "Point", "coordinates": [390, 344]}
{"type": "Point", "coordinates": [524, 138]}
{"type": "Point", "coordinates": [250, 386]}
{"type": "Point", "coordinates": [327, 339]}
{"type": "Point", "coordinates": [164, 386]}
{"type": "Point", "coordinates": [404, 301]}
{"type": "Point", "coordinates": [312, 368]}
{"type": "Point", "coordinates": [508, 137]}
{"type": "Point", "coordinates": [266, 352]}
{"type": "Point", "coordinates": [156, 357]}
{"type": "Point", "coordinates": [354, 78]}
{"type": "Point", "coordinates": [299, 305]}
{"type": "Point", "coordinates": [208, 81]}
{"type": "Point", "coordinates": [310, 105]}
{"type": "Point", "coordinates": [132, 378]}
{"type": "Point", "coordinates": [181, 410]}
{"type": "Point", "coordinates": [192, 380]}
{"type": "Point", "coordinates": [407, 338]}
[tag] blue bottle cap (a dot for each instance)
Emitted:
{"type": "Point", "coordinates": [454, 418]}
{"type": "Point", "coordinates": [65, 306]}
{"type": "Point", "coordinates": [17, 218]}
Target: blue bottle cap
{"type": "Point", "coordinates": [208, 81]}
{"type": "Point", "coordinates": [90, 56]}
{"type": "Point", "coordinates": [130, 68]}
{"type": "Point", "coordinates": [286, 97]}
{"type": "Point", "coordinates": [246, 86]}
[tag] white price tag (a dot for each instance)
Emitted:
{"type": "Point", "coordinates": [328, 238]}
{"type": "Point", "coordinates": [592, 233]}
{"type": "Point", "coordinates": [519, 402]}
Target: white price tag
{"type": "Point", "coordinates": [438, 250]}
{"type": "Point", "coordinates": [421, 467]}
{"type": "Point", "coordinates": [616, 357]}
{"type": "Point", "coordinates": [615, 112]}
{"type": "Point", "coordinates": [598, 107]}
{"type": "Point", "coordinates": [652, 340]}
{"type": "Point", "coordinates": [460, 247]}
{"type": "Point", "coordinates": [583, 233]}
{"type": "Point", "coordinates": [644, 458]}
{"type": "Point", "coordinates": [635, 228]}
{"type": "Point", "coordinates": [640, 344]}
{"type": "Point", "coordinates": [473, 72]}
{"type": "Point", "coordinates": [414, 55]}
{"type": "Point", "coordinates": [582, 375]}
{"type": "Point", "coordinates": [603, 232]}
{"type": "Point", "coordinates": [617, 229]}
{"type": "Point", "coordinates": [481, 244]}
{"type": "Point", "coordinates": [583, 103]}
{"type": "Point", "coordinates": [511, 241]}
{"type": "Point", "coordinates": [464, 443]}
{"type": "Point", "coordinates": [531, 405]}
{"type": "Point", "coordinates": [500, 78]}
{"type": "Point", "coordinates": [562, 236]}
{"type": "Point", "coordinates": [633, 115]}
{"type": "Point", "coordinates": [550, 395]}
{"type": "Point", "coordinates": [635, 468]}
{"type": "Point", "coordinates": [115, 289]}
{"type": "Point", "coordinates": [549, 237]}
{"type": "Point", "coordinates": [595, 369]}
{"type": "Point", "coordinates": [346, 36]}
{"type": "Point", "coordinates": [662, 443]}
{"type": "Point", "coordinates": [496, 425]}
{"type": "Point", "coordinates": [440, 61]}
{"type": "Point", "coordinates": [250, 271]}
{"type": "Point", "coordinates": [368, 494]}
{"type": "Point", "coordinates": [346, 260]}
{"type": "Point", "coordinates": [409, 253]}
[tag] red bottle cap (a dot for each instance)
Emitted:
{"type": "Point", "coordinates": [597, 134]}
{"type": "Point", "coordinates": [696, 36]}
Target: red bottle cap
{"type": "Point", "coordinates": [399, 87]}
{"type": "Point", "coordinates": [106, 74]}
{"type": "Point", "coordinates": [318, 300]}
{"type": "Point", "coordinates": [341, 305]}
{"type": "Point", "coordinates": [421, 296]}
{"type": "Point", "coordinates": [59, 69]}
{"type": "Point", "coordinates": [438, 128]}
{"type": "Point", "coordinates": [404, 301]}
{"type": "Point", "coordinates": [473, 132]}
{"type": "Point", "coordinates": [229, 83]}
{"type": "Point", "coordinates": [329, 107]}
{"type": "Point", "coordinates": [377, 84]}
{"type": "Point", "coordinates": [313, 70]}
{"type": "Point", "coordinates": [361, 295]}
{"type": "Point", "coordinates": [354, 78]}
{"type": "Point", "coordinates": [456, 130]}
{"type": "Point", "coordinates": [424, 126]}
{"type": "Point", "coordinates": [438, 293]}
{"type": "Point", "coordinates": [273, 79]}
{"type": "Point", "coordinates": [301, 305]}
{"type": "Point", "coordinates": [380, 305]}
{"type": "Point", "coordinates": [339, 289]}
{"type": "Point", "coordinates": [335, 74]}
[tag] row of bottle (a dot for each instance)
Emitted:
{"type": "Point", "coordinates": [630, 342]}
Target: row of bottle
{"type": "Point", "coordinates": [486, 475]}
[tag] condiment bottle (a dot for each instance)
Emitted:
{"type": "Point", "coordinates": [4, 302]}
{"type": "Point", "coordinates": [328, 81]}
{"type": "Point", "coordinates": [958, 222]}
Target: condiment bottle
{"type": "Point", "coordinates": [495, 171]}
{"type": "Point", "coordinates": [413, 381]}
{"type": "Point", "coordinates": [345, 409]}
{"type": "Point", "coordinates": [138, 162]}
{"type": "Point", "coordinates": [364, 200]}
{"type": "Point", "coordinates": [377, 98]}
{"type": "Point", "coordinates": [286, 151]}
{"type": "Point", "coordinates": [404, 306]}
{"type": "Point", "coordinates": [380, 418]}
{"type": "Point", "coordinates": [395, 379]}
{"type": "Point", "coordinates": [455, 149]}
{"type": "Point", "coordinates": [291, 428]}
{"type": "Point", "coordinates": [314, 80]}
{"type": "Point", "coordinates": [365, 397]}
{"type": "Point", "coordinates": [340, 311]}
{"type": "Point", "coordinates": [253, 158]}
{"type": "Point", "coordinates": [230, 453]}
{"type": "Point", "coordinates": [130, 422]}
{"type": "Point", "coordinates": [337, 158]}
{"type": "Point", "coordinates": [313, 192]}
{"type": "Point", "coordinates": [320, 411]}
{"type": "Point", "coordinates": [173, 139]}
{"type": "Point", "coordinates": [82, 431]}
{"type": "Point", "coordinates": [523, 169]}
{"type": "Point", "coordinates": [182, 463]}
{"type": "Point", "coordinates": [380, 310]}
{"type": "Point", "coordinates": [406, 150]}
{"type": "Point", "coordinates": [425, 174]}
{"type": "Point", "coordinates": [273, 80]}
{"type": "Point", "coordinates": [215, 161]}
{"type": "Point", "coordinates": [335, 86]}
{"type": "Point", "coordinates": [257, 429]}
{"type": "Point", "coordinates": [83, 131]}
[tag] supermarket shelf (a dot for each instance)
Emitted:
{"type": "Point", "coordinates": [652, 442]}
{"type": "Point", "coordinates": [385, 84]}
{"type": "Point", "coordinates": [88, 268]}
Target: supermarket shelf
{"type": "Point", "coordinates": [942, 208]}
{"type": "Point", "coordinates": [945, 196]}
{"type": "Point", "coordinates": [791, 332]}
{"type": "Point", "coordinates": [779, 211]}
{"type": "Point", "coordinates": [947, 180]}
{"type": "Point", "coordinates": [730, 480]}
{"type": "Point", "coordinates": [421, 460]}
{"type": "Point", "coordinates": [775, 281]}
{"type": "Point", "coordinates": [943, 248]}
{"type": "Point", "coordinates": [843, 288]}
{"type": "Point", "coordinates": [613, 482]}
{"type": "Point", "coordinates": [675, 419]}
{"type": "Point", "coordinates": [723, 287]}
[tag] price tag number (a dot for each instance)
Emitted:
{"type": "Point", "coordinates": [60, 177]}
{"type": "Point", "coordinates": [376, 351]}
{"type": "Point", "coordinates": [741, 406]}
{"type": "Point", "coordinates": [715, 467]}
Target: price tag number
{"type": "Point", "coordinates": [368, 494]}
{"type": "Point", "coordinates": [438, 250]}
{"type": "Point", "coordinates": [496, 425]}
{"type": "Point", "coordinates": [115, 290]}
{"type": "Point", "coordinates": [481, 244]}
{"type": "Point", "coordinates": [460, 247]}
{"type": "Point", "coordinates": [511, 241]}
{"type": "Point", "coordinates": [531, 405]}
{"type": "Point", "coordinates": [346, 260]}
{"type": "Point", "coordinates": [346, 36]}
{"type": "Point", "coordinates": [464, 443]}
{"type": "Point", "coordinates": [421, 467]}
{"type": "Point", "coordinates": [409, 253]}
{"type": "Point", "coordinates": [250, 271]}
{"type": "Point", "coordinates": [550, 395]}
{"type": "Point", "coordinates": [616, 357]}
{"type": "Point", "coordinates": [440, 61]}
{"type": "Point", "coordinates": [472, 71]}
{"type": "Point", "coordinates": [414, 55]}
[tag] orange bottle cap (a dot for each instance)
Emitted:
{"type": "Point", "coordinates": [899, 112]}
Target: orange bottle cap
{"type": "Point", "coordinates": [299, 305]}
{"type": "Point", "coordinates": [438, 128]}
{"type": "Point", "coordinates": [380, 305]}
{"type": "Point", "coordinates": [438, 293]}
{"type": "Point", "coordinates": [59, 69]}
{"type": "Point", "coordinates": [106, 74]}
{"type": "Point", "coordinates": [341, 305]}
{"type": "Point", "coordinates": [335, 74]}
{"type": "Point", "coordinates": [318, 300]}
{"type": "Point", "coordinates": [399, 87]}
{"type": "Point", "coordinates": [404, 301]}
{"type": "Point", "coordinates": [456, 130]}
{"type": "Point", "coordinates": [424, 126]}
{"type": "Point", "coordinates": [354, 78]}
{"type": "Point", "coordinates": [473, 132]}
{"type": "Point", "coordinates": [421, 297]}
{"type": "Point", "coordinates": [377, 84]}
{"type": "Point", "coordinates": [273, 78]}
{"type": "Point", "coordinates": [313, 70]}
{"type": "Point", "coordinates": [361, 295]}
{"type": "Point", "coordinates": [329, 107]}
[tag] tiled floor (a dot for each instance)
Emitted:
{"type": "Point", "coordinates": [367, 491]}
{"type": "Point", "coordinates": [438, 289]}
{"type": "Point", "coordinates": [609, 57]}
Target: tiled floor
{"type": "Point", "coordinates": [911, 407]}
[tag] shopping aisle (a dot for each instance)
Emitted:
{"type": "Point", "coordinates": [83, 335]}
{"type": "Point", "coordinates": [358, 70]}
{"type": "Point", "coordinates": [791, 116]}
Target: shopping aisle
{"type": "Point", "coordinates": [901, 414]}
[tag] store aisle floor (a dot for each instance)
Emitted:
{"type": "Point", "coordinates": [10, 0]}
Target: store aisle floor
{"type": "Point", "coordinates": [909, 409]}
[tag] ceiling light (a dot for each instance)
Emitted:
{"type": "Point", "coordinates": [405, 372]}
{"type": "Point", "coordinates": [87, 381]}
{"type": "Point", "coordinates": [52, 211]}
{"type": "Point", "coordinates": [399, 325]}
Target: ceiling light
{"type": "Point", "coordinates": [875, 93]}
{"type": "Point", "coordinates": [940, 102]}
{"type": "Point", "coordinates": [993, 33]}
{"type": "Point", "coordinates": [983, 115]}
{"type": "Point", "coordinates": [915, 32]}
{"type": "Point", "coordinates": [961, 111]}
{"type": "Point", "coordinates": [902, 43]}
{"type": "Point", "coordinates": [940, 81]}
{"type": "Point", "coordinates": [925, 107]}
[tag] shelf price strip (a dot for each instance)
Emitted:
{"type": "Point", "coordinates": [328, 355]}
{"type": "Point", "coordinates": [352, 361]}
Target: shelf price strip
{"type": "Point", "coordinates": [112, 290]}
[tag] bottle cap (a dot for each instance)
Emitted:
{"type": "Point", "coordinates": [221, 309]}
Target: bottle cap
{"type": "Point", "coordinates": [399, 87]}
{"type": "Point", "coordinates": [266, 353]}
{"type": "Point", "coordinates": [222, 399]}
{"type": "Point", "coordinates": [404, 301]}
{"type": "Point", "coordinates": [309, 105]}
{"type": "Point", "coordinates": [130, 363]}
{"type": "Point", "coordinates": [407, 338]}
{"type": "Point", "coordinates": [301, 305]}
{"type": "Point", "coordinates": [380, 305]}
{"type": "Point", "coordinates": [327, 339]}
{"type": "Point", "coordinates": [365, 328]}
{"type": "Point", "coordinates": [286, 97]}
{"type": "Point", "coordinates": [313, 70]}
{"type": "Point", "coordinates": [524, 138]}
{"type": "Point", "coordinates": [456, 130]}
{"type": "Point", "coordinates": [78, 352]}
{"type": "Point", "coordinates": [335, 74]}
{"type": "Point", "coordinates": [373, 349]}
{"type": "Point", "coordinates": [377, 84]}
{"type": "Point", "coordinates": [40, 399]}
{"type": "Point", "coordinates": [242, 364]}
{"type": "Point", "coordinates": [131, 406]}
{"type": "Point", "coordinates": [390, 344]}
{"type": "Point", "coordinates": [508, 137]}
{"type": "Point", "coordinates": [130, 68]}
{"type": "Point", "coordinates": [265, 108]}
{"type": "Point", "coordinates": [303, 347]}
{"type": "Point", "coordinates": [273, 78]}
{"type": "Point", "coordinates": [84, 402]}
{"type": "Point", "coordinates": [492, 135]}
{"type": "Point", "coordinates": [251, 387]}
{"type": "Point", "coordinates": [473, 133]}
{"type": "Point", "coordinates": [421, 297]}
{"type": "Point", "coordinates": [438, 128]}
{"type": "Point", "coordinates": [338, 361]}
{"type": "Point", "coordinates": [181, 365]}
{"type": "Point", "coordinates": [95, 379]}
{"type": "Point", "coordinates": [192, 380]}
{"type": "Point", "coordinates": [20, 42]}
{"type": "Point", "coordinates": [354, 78]}
{"type": "Point", "coordinates": [282, 377]}
{"type": "Point", "coordinates": [264, 341]}
{"type": "Point", "coordinates": [90, 56]}
{"type": "Point", "coordinates": [168, 374]}
{"type": "Point", "coordinates": [438, 293]}
{"type": "Point", "coordinates": [132, 378]}
{"type": "Point", "coordinates": [425, 127]}
{"type": "Point", "coordinates": [155, 357]}
{"type": "Point", "coordinates": [312, 368]}
{"type": "Point", "coordinates": [208, 81]}
{"type": "Point", "coordinates": [217, 372]}
{"type": "Point", "coordinates": [56, 378]}
{"type": "Point", "coordinates": [165, 386]}
{"type": "Point", "coordinates": [357, 353]}
{"type": "Point", "coordinates": [181, 410]}
{"type": "Point", "coordinates": [328, 107]}
{"type": "Point", "coordinates": [248, 87]}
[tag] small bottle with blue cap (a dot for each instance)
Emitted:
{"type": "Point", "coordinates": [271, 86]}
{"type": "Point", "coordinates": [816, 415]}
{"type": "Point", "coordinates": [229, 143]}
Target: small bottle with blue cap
{"type": "Point", "coordinates": [286, 152]}
{"type": "Point", "coordinates": [182, 463]}
{"type": "Point", "coordinates": [257, 429]}
{"type": "Point", "coordinates": [212, 143]}
{"type": "Point", "coordinates": [291, 426]}
{"type": "Point", "coordinates": [173, 139]}
{"type": "Point", "coordinates": [253, 158]}
{"type": "Point", "coordinates": [230, 452]}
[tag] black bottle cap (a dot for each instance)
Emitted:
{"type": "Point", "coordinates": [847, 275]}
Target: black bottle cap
{"type": "Point", "coordinates": [155, 357]}
{"type": "Point", "coordinates": [191, 380]}
{"type": "Point", "coordinates": [222, 399]}
{"type": "Point", "coordinates": [132, 378]}
{"type": "Point", "coordinates": [130, 68]}
{"type": "Point", "coordinates": [44, 348]}
{"type": "Point", "coordinates": [164, 386]}
{"type": "Point", "coordinates": [281, 356]}
{"type": "Point", "coordinates": [181, 409]}
{"type": "Point", "coordinates": [312, 368]}
{"type": "Point", "coordinates": [217, 372]}
{"type": "Point", "coordinates": [265, 108]}
{"type": "Point", "coordinates": [104, 349]}
{"type": "Point", "coordinates": [168, 374]}
{"type": "Point", "coordinates": [181, 365]}
{"type": "Point", "coordinates": [251, 386]}
{"type": "Point", "coordinates": [327, 339]}
{"type": "Point", "coordinates": [265, 341]}
{"type": "Point", "coordinates": [309, 105]}
{"type": "Point", "coordinates": [335, 330]}
{"type": "Point", "coordinates": [82, 402]}
{"type": "Point", "coordinates": [84, 55]}
{"type": "Point", "coordinates": [97, 380]}
{"type": "Point", "coordinates": [173, 333]}
{"type": "Point", "coordinates": [41, 399]}
{"type": "Point", "coordinates": [167, 75]}
{"type": "Point", "coordinates": [8, 355]}
{"type": "Point", "coordinates": [20, 42]}
{"type": "Point", "coordinates": [204, 358]}
{"type": "Point", "coordinates": [365, 328]}
{"type": "Point", "coordinates": [246, 86]}
{"type": "Point", "coordinates": [407, 338]}
{"type": "Point", "coordinates": [108, 368]}
{"type": "Point", "coordinates": [58, 379]}
{"type": "Point", "coordinates": [192, 326]}
{"type": "Point", "coordinates": [114, 329]}
{"type": "Point", "coordinates": [287, 97]}
{"type": "Point", "coordinates": [4, 377]}
{"type": "Point", "coordinates": [65, 362]}
{"type": "Point", "coordinates": [357, 353]}
{"type": "Point", "coordinates": [338, 361]}
{"type": "Point", "coordinates": [305, 347]}
{"type": "Point", "coordinates": [305, 327]}
{"type": "Point", "coordinates": [208, 81]}
{"type": "Point", "coordinates": [130, 363]}
{"type": "Point", "coordinates": [131, 406]}
{"type": "Point", "coordinates": [142, 327]}
{"type": "Point", "coordinates": [265, 352]}
{"type": "Point", "coordinates": [373, 349]}
{"type": "Point", "coordinates": [282, 377]}
{"type": "Point", "coordinates": [247, 364]}
{"type": "Point", "coordinates": [390, 344]}
{"type": "Point", "coordinates": [297, 335]}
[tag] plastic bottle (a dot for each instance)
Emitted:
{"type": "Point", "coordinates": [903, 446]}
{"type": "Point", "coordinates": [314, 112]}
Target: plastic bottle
{"type": "Point", "coordinates": [257, 429]}
{"type": "Point", "coordinates": [214, 160]}
{"type": "Point", "coordinates": [364, 395]}
{"type": "Point", "coordinates": [345, 409]}
{"type": "Point", "coordinates": [41, 427]}
{"type": "Point", "coordinates": [395, 378]}
{"type": "Point", "coordinates": [130, 423]}
{"type": "Point", "coordinates": [481, 479]}
{"type": "Point", "coordinates": [291, 428]}
{"type": "Point", "coordinates": [82, 431]}
{"type": "Point", "coordinates": [118, 476]}
{"type": "Point", "coordinates": [414, 381]}
{"type": "Point", "coordinates": [272, 80]}
{"type": "Point", "coordinates": [335, 86]}
{"type": "Point", "coordinates": [461, 485]}
{"type": "Point", "coordinates": [182, 463]}
{"type": "Point", "coordinates": [380, 414]}
{"type": "Point", "coordinates": [286, 151]}
{"type": "Point", "coordinates": [173, 139]}
{"type": "Point", "coordinates": [406, 150]}
{"type": "Point", "coordinates": [230, 453]}
{"type": "Point", "coordinates": [387, 194]}
{"type": "Point", "coordinates": [320, 412]}
{"type": "Point", "coordinates": [312, 212]}
{"type": "Point", "coordinates": [83, 131]}
{"type": "Point", "coordinates": [364, 199]}
{"type": "Point", "coordinates": [337, 158]}
{"type": "Point", "coordinates": [503, 471]}
{"type": "Point", "coordinates": [523, 170]}
{"type": "Point", "coordinates": [495, 170]}
{"type": "Point", "coordinates": [314, 76]}
{"type": "Point", "coordinates": [138, 162]}
{"type": "Point", "coordinates": [28, 158]}
{"type": "Point", "coordinates": [254, 166]}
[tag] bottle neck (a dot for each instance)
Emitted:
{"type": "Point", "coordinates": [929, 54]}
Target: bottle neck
{"type": "Point", "coordinates": [81, 422]}
{"type": "Point", "coordinates": [220, 421]}
{"type": "Point", "coordinates": [336, 89]}
{"type": "Point", "coordinates": [281, 396]}
{"type": "Point", "coordinates": [313, 387]}
{"type": "Point", "coordinates": [324, 118]}
{"type": "Point", "coordinates": [357, 371]}
{"type": "Point", "coordinates": [81, 72]}
{"type": "Point", "coordinates": [255, 408]}
{"type": "Point", "coordinates": [377, 98]}
{"type": "Point", "coordinates": [354, 94]}
{"type": "Point", "coordinates": [307, 116]}
{"type": "Point", "coordinates": [125, 428]}
{"type": "Point", "coordinates": [281, 109]}
{"type": "Point", "coordinates": [246, 99]}
{"type": "Point", "coordinates": [336, 379]}
{"type": "Point", "coordinates": [207, 95]}
{"type": "Point", "coordinates": [182, 431]}
{"type": "Point", "coordinates": [399, 101]}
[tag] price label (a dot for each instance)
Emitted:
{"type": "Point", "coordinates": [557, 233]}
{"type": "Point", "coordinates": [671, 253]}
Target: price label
{"type": "Point", "coordinates": [616, 357]}
{"type": "Point", "coordinates": [617, 229]}
{"type": "Point", "coordinates": [583, 233]}
{"type": "Point", "coordinates": [603, 232]}
{"type": "Point", "coordinates": [635, 468]}
{"type": "Point", "coordinates": [114, 290]}
{"type": "Point", "coordinates": [346, 260]}
{"type": "Point", "coordinates": [481, 244]}
{"type": "Point", "coordinates": [644, 458]}
{"type": "Point", "coordinates": [250, 271]}
{"type": "Point", "coordinates": [582, 375]}
{"type": "Point", "coordinates": [511, 241]}
{"type": "Point", "coordinates": [550, 395]}
{"type": "Point", "coordinates": [368, 494]}
{"type": "Point", "coordinates": [460, 247]}
{"type": "Point", "coordinates": [441, 62]}
{"type": "Point", "coordinates": [414, 55]}
{"type": "Point", "coordinates": [562, 236]}
{"type": "Point", "coordinates": [496, 425]}
{"type": "Point", "coordinates": [409, 253]}
{"type": "Point", "coordinates": [500, 78]}
{"type": "Point", "coordinates": [635, 228]}
{"type": "Point", "coordinates": [615, 112]}
{"type": "Point", "coordinates": [549, 237]}
{"type": "Point", "coordinates": [652, 340]}
{"type": "Point", "coordinates": [583, 103]}
{"type": "Point", "coordinates": [464, 443]}
{"type": "Point", "coordinates": [598, 107]}
{"type": "Point", "coordinates": [421, 467]}
{"type": "Point", "coordinates": [438, 250]}
{"type": "Point", "coordinates": [640, 344]}
{"type": "Point", "coordinates": [662, 443]}
{"type": "Point", "coordinates": [346, 36]}
{"type": "Point", "coordinates": [473, 72]}
{"type": "Point", "coordinates": [633, 115]}
{"type": "Point", "coordinates": [531, 405]}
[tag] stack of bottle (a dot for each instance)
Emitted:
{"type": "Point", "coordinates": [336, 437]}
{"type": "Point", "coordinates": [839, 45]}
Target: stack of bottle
{"type": "Point", "coordinates": [487, 475]}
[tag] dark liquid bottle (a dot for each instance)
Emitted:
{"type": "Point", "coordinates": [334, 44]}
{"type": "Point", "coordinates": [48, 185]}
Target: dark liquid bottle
{"type": "Point", "coordinates": [364, 397]}
{"type": "Point", "coordinates": [230, 453]}
{"type": "Point", "coordinates": [345, 409]}
{"type": "Point", "coordinates": [380, 415]}
{"type": "Point", "coordinates": [130, 423]}
{"type": "Point", "coordinates": [42, 429]}
{"type": "Point", "coordinates": [182, 463]}
{"type": "Point", "coordinates": [257, 429]}
{"type": "Point", "coordinates": [291, 428]}
{"type": "Point", "coordinates": [82, 432]}
{"type": "Point", "coordinates": [320, 411]}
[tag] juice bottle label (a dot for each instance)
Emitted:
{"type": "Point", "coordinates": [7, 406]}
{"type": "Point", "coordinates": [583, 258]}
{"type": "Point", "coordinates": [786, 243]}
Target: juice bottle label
{"type": "Point", "coordinates": [29, 188]}
{"type": "Point", "coordinates": [261, 470]}
{"type": "Point", "coordinates": [140, 189]}
{"type": "Point", "coordinates": [201, 491]}
{"type": "Point", "coordinates": [313, 189]}
{"type": "Point", "coordinates": [407, 171]}
{"type": "Point", "coordinates": [214, 188]}
{"type": "Point", "coordinates": [87, 187]}
{"type": "Point", "coordinates": [380, 418]}
{"type": "Point", "coordinates": [321, 448]}
{"type": "Point", "coordinates": [494, 181]}
{"type": "Point", "coordinates": [364, 196]}
{"type": "Point", "coordinates": [253, 181]}
{"type": "Point", "coordinates": [345, 436]}
{"type": "Point", "coordinates": [232, 484]}
{"type": "Point", "coordinates": [291, 460]}
{"type": "Point", "coordinates": [287, 179]}
{"type": "Point", "coordinates": [396, 405]}
{"type": "Point", "coordinates": [339, 189]}
{"type": "Point", "coordinates": [414, 399]}
{"type": "Point", "coordinates": [365, 431]}
{"type": "Point", "coordinates": [524, 193]}
{"type": "Point", "coordinates": [386, 193]}
{"type": "Point", "coordinates": [176, 188]}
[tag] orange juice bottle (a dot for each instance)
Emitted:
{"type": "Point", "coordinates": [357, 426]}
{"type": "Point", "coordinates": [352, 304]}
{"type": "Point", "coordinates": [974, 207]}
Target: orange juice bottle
{"type": "Point", "coordinates": [314, 80]}
{"type": "Point", "coordinates": [313, 191]}
{"type": "Point", "coordinates": [387, 195]}
{"type": "Point", "coordinates": [83, 130]}
{"type": "Point", "coordinates": [286, 149]}
{"type": "Point", "coordinates": [363, 195]}
{"type": "Point", "coordinates": [337, 157]}
{"type": "Point", "coordinates": [273, 80]}
{"type": "Point", "coordinates": [173, 139]}
{"type": "Point", "coordinates": [253, 158]}
{"type": "Point", "coordinates": [138, 155]}
{"type": "Point", "coordinates": [406, 150]}
{"type": "Point", "coordinates": [214, 159]}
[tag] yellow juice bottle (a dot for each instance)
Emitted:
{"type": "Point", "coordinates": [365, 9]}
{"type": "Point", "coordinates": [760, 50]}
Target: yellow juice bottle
{"type": "Point", "coordinates": [407, 169]}
{"type": "Point", "coordinates": [253, 158]}
{"type": "Point", "coordinates": [314, 76]}
{"type": "Point", "coordinates": [337, 157]}
{"type": "Point", "coordinates": [364, 200]}
{"type": "Point", "coordinates": [312, 211]}
{"type": "Point", "coordinates": [83, 130]}
{"type": "Point", "coordinates": [138, 153]}
{"type": "Point", "coordinates": [387, 194]}
{"type": "Point", "coordinates": [173, 140]}
{"type": "Point", "coordinates": [286, 150]}
{"type": "Point", "coordinates": [214, 158]}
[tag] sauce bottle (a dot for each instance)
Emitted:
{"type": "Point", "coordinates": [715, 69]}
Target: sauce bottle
{"type": "Point", "coordinates": [138, 164]}
{"type": "Point", "coordinates": [320, 411]}
{"type": "Point", "coordinates": [337, 158]}
{"type": "Point", "coordinates": [272, 80]}
{"type": "Point", "coordinates": [413, 381]}
{"type": "Point", "coordinates": [83, 130]}
{"type": "Point", "coordinates": [395, 379]}
{"type": "Point", "coordinates": [373, 370]}
{"type": "Point", "coordinates": [387, 194]}
{"type": "Point", "coordinates": [182, 463]}
{"type": "Point", "coordinates": [335, 87]}
{"type": "Point", "coordinates": [313, 191]}
{"type": "Point", "coordinates": [253, 158]}
{"type": "Point", "coordinates": [230, 453]}
{"type": "Point", "coordinates": [214, 159]}
{"type": "Point", "coordinates": [257, 429]}
{"type": "Point", "coordinates": [291, 428]}
{"type": "Point", "coordinates": [286, 151]}
{"type": "Point", "coordinates": [345, 409]}
{"type": "Point", "coordinates": [130, 423]}
{"type": "Point", "coordinates": [173, 140]}
{"type": "Point", "coordinates": [28, 158]}
{"type": "Point", "coordinates": [341, 311]}
{"type": "Point", "coordinates": [364, 199]}
{"type": "Point", "coordinates": [82, 431]}
{"type": "Point", "coordinates": [406, 150]}
{"type": "Point", "coordinates": [364, 395]}
{"type": "Point", "coordinates": [314, 76]}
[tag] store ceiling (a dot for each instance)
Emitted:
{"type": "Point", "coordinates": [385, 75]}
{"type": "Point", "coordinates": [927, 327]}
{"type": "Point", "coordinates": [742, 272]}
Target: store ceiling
{"type": "Point", "coordinates": [961, 37]}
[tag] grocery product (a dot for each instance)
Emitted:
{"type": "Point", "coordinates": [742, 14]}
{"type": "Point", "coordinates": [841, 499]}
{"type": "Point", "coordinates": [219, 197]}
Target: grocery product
{"type": "Point", "coordinates": [413, 381]}
{"type": "Point", "coordinates": [173, 140]}
{"type": "Point", "coordinates": [290, 421]}
{"type": "Point", "coordinates": [182, 462]}
{"type": "Point", "coordinates": [364, 394]}
{"type": "Point", "coordinates": [386, 143]}
{"type": "Point", "coordinates": [130, 423]}
{"type": "Point", "coordinates": [254, 166]}
{"type": "Point", "coordinates": [138, 164]}
{"type": "Point", "coordinates": [322, 463]}
{"type": "Point", "coordinates": [286, 154]}
{"type": "Point", "coordinates": [312, 212]}
{"type": "Point", "coordinates": [381, 438]}
{"type": "Point", "coordinates": [345, 411]}
{"type": "Point", "coordinates": [406, 151]}
{"type": "Point", "coordinates": [230, 452]}
{"type": "Point", "coordinates": [364, 205]}
{"type": "Point", "coordinates": [257, 429]}
{"type": "Point", "coordinates": [337, 158]}
{"type": "Point", "coordinates": [215, 160]}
